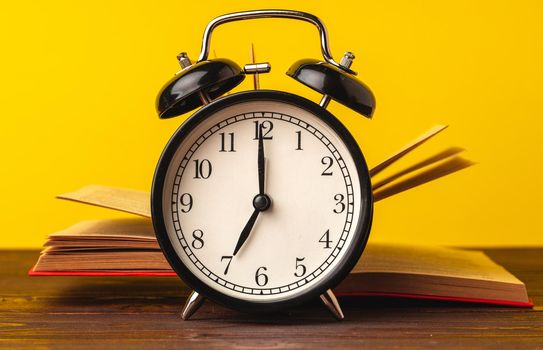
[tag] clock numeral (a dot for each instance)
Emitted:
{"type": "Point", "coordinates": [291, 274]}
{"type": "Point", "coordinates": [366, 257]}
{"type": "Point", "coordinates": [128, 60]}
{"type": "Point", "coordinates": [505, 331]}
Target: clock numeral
{"type": "Point", "coordinates": [261, 278]}
{"type": "Point", "coordinates": [224, 141]}
{"type": "Point", "coordinates": [301, 267]}
{"type": "Point", "coordinates": [229, 258]}
{"type": "Point", "coordinates": [326, 240]}
{"type": "Point", "coordinates": [263, 129]}
{"type": "Point", "coordinates": [202, 169]}
{"type": "Point", "coordinates": [328, 161]}
{"type": "Point", "coordinates": [198, 241]}
{"type": "Point", "coordinates": [299, 136]}
{"type": "Point", "coordinates": [340, 205]}
{"type": "Point", "coordinates": [186, 201]}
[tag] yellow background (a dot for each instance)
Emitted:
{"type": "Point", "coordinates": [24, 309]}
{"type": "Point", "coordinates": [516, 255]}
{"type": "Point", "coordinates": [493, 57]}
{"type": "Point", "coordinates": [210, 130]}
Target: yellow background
{"type": "Point", "coordinates": [79, 80]}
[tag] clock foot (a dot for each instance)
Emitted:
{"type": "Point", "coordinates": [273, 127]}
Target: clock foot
{"type": "Point", "coordinates": [192, 304]}
{"type": "Point", "coordinates": [330, 301]}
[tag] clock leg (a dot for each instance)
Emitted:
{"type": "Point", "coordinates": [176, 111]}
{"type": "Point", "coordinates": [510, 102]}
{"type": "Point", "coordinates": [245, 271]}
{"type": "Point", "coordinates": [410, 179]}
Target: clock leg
{"type": "Point", "coordinates": [192, 304]}
{"type": "Point", "coordinates": [330, 301]}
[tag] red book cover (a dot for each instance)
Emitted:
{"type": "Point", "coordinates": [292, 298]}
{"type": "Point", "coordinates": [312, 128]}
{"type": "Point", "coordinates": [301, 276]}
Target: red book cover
{"type": "Point", "coordinates": [151, 273]}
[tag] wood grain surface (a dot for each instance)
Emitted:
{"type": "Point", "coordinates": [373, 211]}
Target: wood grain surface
{"type": "Point", "coordinates": [143, 313]}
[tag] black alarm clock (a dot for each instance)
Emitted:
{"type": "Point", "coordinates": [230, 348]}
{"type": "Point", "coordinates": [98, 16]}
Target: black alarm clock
{"type": "Point", "coordinates": [262, 199]}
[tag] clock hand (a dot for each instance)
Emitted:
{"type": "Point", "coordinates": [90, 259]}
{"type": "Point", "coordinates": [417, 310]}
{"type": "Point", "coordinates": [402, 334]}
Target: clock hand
{"type": "Point", "coordinates": [261, 163]}
{"type": "Point", "coordinates": [246, 230]}
{"type": "Point", "coordinates": [261, 201]}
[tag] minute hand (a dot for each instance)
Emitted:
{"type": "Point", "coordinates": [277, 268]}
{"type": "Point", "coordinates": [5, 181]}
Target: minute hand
{"type": "Point", "coordinates": [261, 201]}
{"type": "Point", "coordinates": [261, 163]}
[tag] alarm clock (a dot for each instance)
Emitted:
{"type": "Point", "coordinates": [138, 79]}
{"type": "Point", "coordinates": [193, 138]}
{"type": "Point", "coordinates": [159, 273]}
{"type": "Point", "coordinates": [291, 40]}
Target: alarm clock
{"type": "Point", "coordinates": [262, 199]}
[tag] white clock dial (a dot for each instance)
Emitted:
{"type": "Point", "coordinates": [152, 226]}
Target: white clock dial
{"type": "Point", "coordinates": [208, 193]}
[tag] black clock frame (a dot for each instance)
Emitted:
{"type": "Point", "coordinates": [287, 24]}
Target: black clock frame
{"type": "Point", "coordinates": [361, 232]}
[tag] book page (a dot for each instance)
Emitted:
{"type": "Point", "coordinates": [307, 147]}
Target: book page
{"type": "Point", "coordinates": [406, 149]}
{"type": "Point", "coordinates": [428, 174]}
{"type": "Point", "coordinates": [127, 200]}
{"type": "Point", "coordinates": [436, 158]}
{"type": "Point", "coordinates": [117, 229]}
{"type": "Point", "coordinates": [431, 261]}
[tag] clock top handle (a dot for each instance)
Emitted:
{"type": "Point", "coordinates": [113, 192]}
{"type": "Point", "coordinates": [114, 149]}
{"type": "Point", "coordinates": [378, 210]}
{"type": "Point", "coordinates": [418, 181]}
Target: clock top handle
{"type": "Point", "coordinates": [256, 14]}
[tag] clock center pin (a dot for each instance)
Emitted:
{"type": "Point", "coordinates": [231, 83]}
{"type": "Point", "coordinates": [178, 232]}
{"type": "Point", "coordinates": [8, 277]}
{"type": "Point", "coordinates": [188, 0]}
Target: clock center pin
{"type": "Point", "coordinates": [262, 202]}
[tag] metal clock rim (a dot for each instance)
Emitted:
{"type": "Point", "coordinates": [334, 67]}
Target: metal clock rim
{"type": "Point", "coordinates": [361, 232]}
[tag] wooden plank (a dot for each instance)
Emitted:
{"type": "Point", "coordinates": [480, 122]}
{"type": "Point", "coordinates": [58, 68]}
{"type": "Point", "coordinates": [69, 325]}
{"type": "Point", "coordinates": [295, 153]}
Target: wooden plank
{"type": "Point", "coordinates": [119, 313]}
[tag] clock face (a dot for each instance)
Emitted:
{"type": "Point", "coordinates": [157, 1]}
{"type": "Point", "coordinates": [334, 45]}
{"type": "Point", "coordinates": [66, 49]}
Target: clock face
{"type": "Point", "coordinates": [291, 231]}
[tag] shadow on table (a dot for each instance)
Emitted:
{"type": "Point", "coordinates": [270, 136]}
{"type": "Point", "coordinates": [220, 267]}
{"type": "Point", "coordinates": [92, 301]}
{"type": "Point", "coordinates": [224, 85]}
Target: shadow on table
{"type": "Point", "coordinates": [167, 295]}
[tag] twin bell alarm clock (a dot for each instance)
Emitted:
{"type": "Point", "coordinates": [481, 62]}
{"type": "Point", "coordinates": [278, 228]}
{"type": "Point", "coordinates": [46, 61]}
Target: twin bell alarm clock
{"type": "Point", "coordinates": [262, 200]}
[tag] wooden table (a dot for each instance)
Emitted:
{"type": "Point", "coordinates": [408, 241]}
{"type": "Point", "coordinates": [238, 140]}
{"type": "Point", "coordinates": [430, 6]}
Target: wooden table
{"type": "Point", "coordinates": [132, 313]}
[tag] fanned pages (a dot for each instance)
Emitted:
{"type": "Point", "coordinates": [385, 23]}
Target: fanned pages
{"type": "Point", "coordinates": [123, 199]}
{"type": "Point", "coordinates": [447, 167]}
{"type": "Point", "coordinates": [406, 149]}
{"type": "Point", "coordinates": [104, 235]}
{"type": "Point", "coordinates": [446, 154]}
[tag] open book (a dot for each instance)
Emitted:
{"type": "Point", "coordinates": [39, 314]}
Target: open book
{"type": "Point", "coordinates": [128, 247]}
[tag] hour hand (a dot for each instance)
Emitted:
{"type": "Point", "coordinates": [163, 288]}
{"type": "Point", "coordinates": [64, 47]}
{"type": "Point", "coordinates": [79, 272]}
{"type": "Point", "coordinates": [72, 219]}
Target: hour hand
{"type": "Point", "coordinates": [246, 231]}
{"type": "Point", "coordinates": [261, 202]}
